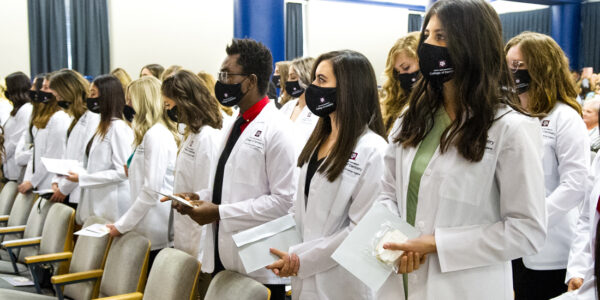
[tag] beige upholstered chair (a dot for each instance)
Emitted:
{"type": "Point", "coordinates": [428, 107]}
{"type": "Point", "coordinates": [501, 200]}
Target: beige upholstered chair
{"type": "Point", "coordinates": [31, 230]}
{"type": "Point", "coordinates": [19, 213]}
{"type": "Point", "coordinates": [232, 285]}
{"type": "Point", "coordinates": [89, 254]}
{"type": "Point", "coordinates": [7, 197]}
{"type": "Point", "coordinates": [173, 277]}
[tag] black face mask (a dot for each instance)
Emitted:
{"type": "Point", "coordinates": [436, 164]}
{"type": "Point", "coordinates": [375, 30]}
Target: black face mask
{"type": "Point", "coordinates": [229, 94]}
{"type": "Point", "coordinates": [435, 64]}
{"type": "Point", "coordinates": [128, 113]}
{"type": "Point", "coordinates": [93, 105]}
{"type": "Point", "coordinates": [320, 100]}
{"type": "Point", "coordinates": [522, 80]}
{"type": "Point", "coordinates": [64, 104]}
{"type": "Point", "coordinates": [407, 80]}
{"type": "Point", "coordinates": [172, 113]}
{"type": "Point", "coordinates": [294, 89]}
{"type": "Point", "coordinates": [276, 79]}
{"type": "Point", "coordinates": [40, 97]}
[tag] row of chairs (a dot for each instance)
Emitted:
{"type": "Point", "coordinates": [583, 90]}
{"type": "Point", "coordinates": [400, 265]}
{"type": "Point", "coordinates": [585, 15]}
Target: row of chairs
{"type": "Point", "coordinates": [98, 267]}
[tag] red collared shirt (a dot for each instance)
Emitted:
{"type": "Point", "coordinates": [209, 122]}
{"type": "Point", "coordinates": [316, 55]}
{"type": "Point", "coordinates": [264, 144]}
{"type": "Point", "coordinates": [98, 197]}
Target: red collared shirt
{"type": "Point", "coordinates": [252, 112]}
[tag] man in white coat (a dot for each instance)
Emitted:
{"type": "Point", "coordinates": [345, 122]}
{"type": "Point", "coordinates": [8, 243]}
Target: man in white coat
{"type": "Point", "coordinates": [255, 178]}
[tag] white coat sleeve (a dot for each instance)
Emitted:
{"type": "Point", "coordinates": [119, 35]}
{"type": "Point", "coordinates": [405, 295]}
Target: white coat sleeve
{"type": "Point", "coordinates": [282, 176]}
{"type": "Point", "coordinates": [23, 152]}
{"type": "Point", "coordinates": [315, 255]}
{"type": "Point", "coordinates": [580, 255]}
{"type": "Point", "coordinates": [120, 144]}
{"type": "Point", "coordinates": [521, 230]}
{"type": "Point", "coordinates": [20, 125]}
{"type": "Point", "coordinates": [156, 160]}
{"type": "Point", "coordinates": [389, 181]}
{"type": "Point", "coordinates": [573, 155]}
{"type": "Point", "coordinates": [56, 142]}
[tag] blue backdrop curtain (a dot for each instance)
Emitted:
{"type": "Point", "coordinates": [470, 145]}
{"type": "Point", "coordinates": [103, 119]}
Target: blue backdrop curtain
{"type": "Point", "coordinates": [47, 35]}
{"type": "Point", "coordinates": [89, 37]}
{"type": "Point", "coordinates": [294, 34]}
{"type": "Point", "coordinates": [534, 20]}
{"type": "Point", "coordinates": [589, 53]}
{"type": "Point", "coordinates": [414, 22]}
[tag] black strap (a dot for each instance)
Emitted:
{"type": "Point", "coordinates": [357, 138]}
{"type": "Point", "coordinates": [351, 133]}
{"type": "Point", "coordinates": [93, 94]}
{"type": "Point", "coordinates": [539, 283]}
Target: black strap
{"type": "Point", "coordinates": [236, 131]}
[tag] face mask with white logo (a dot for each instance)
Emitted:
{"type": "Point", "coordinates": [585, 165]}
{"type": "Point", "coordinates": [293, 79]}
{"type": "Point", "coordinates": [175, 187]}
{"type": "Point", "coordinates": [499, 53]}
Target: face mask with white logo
{"type": "Point", "coordinates": [294, 89]}
{"type": "Point", "coordinates": [320, 100]}
{"type": "Point", "coordinates": [435, 64]}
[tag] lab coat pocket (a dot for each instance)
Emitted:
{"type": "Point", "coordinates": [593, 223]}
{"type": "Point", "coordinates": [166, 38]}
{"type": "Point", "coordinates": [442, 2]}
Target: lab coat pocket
{"type": "Point", "coordinates": [250, 165]}
{"type": "Point", "coordinates": [467, 182]}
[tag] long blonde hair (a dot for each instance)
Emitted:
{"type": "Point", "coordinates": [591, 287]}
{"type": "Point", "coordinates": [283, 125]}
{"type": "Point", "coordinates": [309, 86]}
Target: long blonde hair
{"type": "Point", "coordinates": [284, 70]}
{"type": "Point", "coordinates": [147, 101]}
{"type": "Point", "coordinates": [394, 98]}
{"type": "Point", "coordinates": [548, 67]}
{"type": "Point", "coordinates": [123, 77]}
{"type": "Point", "coordinates": [42, 112]}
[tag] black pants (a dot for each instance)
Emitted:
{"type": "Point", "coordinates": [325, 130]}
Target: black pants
{"type": "Point", "coordinates": [533, 285]}
{"type": "Point", "coordinates": [277, 291]}
{"type": "Point", "coordinates": [151, 257]}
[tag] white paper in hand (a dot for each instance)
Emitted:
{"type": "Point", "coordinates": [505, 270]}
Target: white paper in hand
{"type": "Point", "coordinates": [355, 253]}
{"type": "Point", "coordinates": [94, 230]}
{"type": "Point", "coordinates": [175, 198]}
{"type": "Point", "coordinates": [62, 166]}
{"type": "Point", "coordinates": [254, 243]}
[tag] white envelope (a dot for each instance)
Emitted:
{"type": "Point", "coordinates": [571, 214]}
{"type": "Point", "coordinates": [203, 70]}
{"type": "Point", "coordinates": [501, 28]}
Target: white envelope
{"type": "Point", "coordinates": [62, 166]}
{"type": "Point", "coordinates": [94, 230]}
{"type": "Point", "coordinates": [254, 243]}
{"type": "Point", "coordinates": [355, 253]}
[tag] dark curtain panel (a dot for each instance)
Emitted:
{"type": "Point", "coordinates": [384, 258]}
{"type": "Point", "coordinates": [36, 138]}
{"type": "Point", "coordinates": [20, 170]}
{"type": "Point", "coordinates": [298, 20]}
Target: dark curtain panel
{"type": "Point", "coordinates": [589, 53]}
{"type": "Point", "coordinates": [414, 22]}
{"type": "Point", "coordinates": [535, 20]}
{"type": "Point", "coordinates": [293, 31]}
{"type": "Point", "coordinates": [47, 35]}
{"type": "Point", "coordinates": [89, 37]}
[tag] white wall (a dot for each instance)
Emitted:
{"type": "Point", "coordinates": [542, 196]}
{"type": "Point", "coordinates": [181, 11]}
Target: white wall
{"type": "Point", "coordinates": [369, 29]}
{"type": "Point", "coordinates": [190, 33]}
{"type": "Point", "coordinates": [14, 43]}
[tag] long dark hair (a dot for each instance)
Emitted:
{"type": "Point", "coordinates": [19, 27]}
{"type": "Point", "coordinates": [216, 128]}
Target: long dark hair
{"type": "Point", "coordinates": [196, 105]}
{"type": "Point", "coordinates": [17, 90]}
{"type": "Point", "coordinates": [111, 100]}
{"type": "Point", "coordinates": [481, 78]}
{"type": "Point", "coordinates": [357, 107]}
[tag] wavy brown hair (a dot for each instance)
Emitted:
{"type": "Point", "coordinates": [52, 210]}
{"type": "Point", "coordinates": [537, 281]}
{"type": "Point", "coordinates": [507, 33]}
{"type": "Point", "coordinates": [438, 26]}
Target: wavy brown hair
{"type": "Point", "coordinates": [481, 80]}
{"type": "Point", "coordinates": [394, 97]}
{"type": "Point", "coordinates": [155, 69]}
{"type": "Point", "coordinates": [42, 112]}
{"type": "Point", "coordinates": [284, 69]}
{"type": "Point", "coordinates": [357, 107]}
{"type": "Point", "coordinates": [548, 67]}
{"type": "Point", "coordinates": [17, 88]}
{"type": "Point", "coordinates": [72, 87]}
{"type": "Point", "coordinates": [197, 106]}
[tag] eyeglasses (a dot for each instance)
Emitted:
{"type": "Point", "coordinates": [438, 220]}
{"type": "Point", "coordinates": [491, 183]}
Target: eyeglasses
{"type": "Point", "coordinates": [224, 76]}
{"type": "Point", "coordinates": [514, 65]}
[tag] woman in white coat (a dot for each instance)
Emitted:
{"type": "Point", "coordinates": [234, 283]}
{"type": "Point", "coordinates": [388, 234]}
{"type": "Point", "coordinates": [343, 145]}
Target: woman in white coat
{"type": "Point", "coordinates": [104, 185]}
{"type": "Point", "coordinates": [18, 91]}
{"type": "Point", "coordinates": [543, 81]}
{"type": "Point", "coordinates": [49, 132]}
{"type": "Point", "coordinates": [339, 179]}
{"type": "Point", "coordinates": [464, 167]}
{"type": "Point", "coordinates": [304, 120]}
{"type": "Point", "coordinates": [190, 103]}
{"type": "Point", "coordinates": [151, 168]}
{"type": "Point", "coordinates": [72, 87]}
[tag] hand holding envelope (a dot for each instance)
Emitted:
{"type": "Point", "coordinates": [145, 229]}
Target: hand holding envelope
{"type": "Point", "coordinates": [202, 212]}
{"type": "Point", "coordinates": [286, 266]}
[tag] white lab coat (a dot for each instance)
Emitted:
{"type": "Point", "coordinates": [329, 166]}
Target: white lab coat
{"type": "Point", "coordinates": [332, 211]}
{"type": "Point", "coordinates": [78, 139]}
{"type": "Point", "coordinates": [14, 128]}
{"type": "Point", "coordinates": [482, 214]}
{"type": "Point", "coordinates": [197, 158]}
{"type": "Point", "coordinates": [104, 186]}
{"type": "Point", "coordinates": [151, 170]}
{"type": "Point", "coordinates": [566, 161]}
{"type": "Point", "coordinates": [5, 108]}
{"type": "Point", "coordinates": [48, 142]}
{"type": "Point", "coordinates": [304, 124]}
{"type": "Point", "coordinates": [259, 183]}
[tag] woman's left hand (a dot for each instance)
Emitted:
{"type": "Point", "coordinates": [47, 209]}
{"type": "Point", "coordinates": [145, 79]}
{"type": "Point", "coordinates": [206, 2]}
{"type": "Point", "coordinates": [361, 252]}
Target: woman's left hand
{"type": "Point", "coordinates": [415, 252]}
{"type": "Point", "coordinates": [287, 265]}
{"type": "Point", "coordinates": [73, 177]}
{"type": "Point", "coordinates": [113, 230]}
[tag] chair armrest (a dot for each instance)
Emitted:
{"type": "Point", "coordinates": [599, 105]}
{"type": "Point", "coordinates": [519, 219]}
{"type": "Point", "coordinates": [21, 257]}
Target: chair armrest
{"type": "Point", "coordinates": [76, 277]}
{"type": "Point", "coordinates": [130, 296]}
{"type": "Point", "coordinates": [12, 229]}
{"type": "Point", "coordinates": [3, 218]}
{"type": "Point", "coordinates": [22, 243]}
{"type": "Point", "coordinates": [45, 258]}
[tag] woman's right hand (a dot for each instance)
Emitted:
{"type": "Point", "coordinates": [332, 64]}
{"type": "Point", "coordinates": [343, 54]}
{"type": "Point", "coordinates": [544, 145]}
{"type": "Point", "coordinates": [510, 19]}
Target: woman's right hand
{"type": "Point", "coordinates": [25, 187]}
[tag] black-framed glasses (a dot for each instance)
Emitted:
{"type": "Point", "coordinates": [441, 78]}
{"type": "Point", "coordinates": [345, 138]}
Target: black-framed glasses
{"type": "Point", "coordinates": [514, 65]}
{"type": "Point", "coordinates": [224, 76]}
